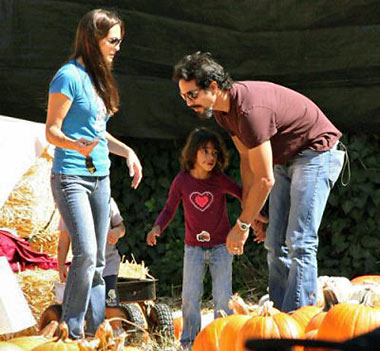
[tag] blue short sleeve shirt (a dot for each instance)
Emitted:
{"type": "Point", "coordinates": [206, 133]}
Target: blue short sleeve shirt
{"type": "Point", "coordinates": [86, 118]}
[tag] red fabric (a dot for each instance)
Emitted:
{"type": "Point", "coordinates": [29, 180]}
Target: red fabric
{"type": "Point", "coordinates": [21, 256]}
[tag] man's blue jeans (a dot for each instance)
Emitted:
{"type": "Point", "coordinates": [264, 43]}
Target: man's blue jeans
{"type": "Point", "coordinates": [195, 264]}
{"type": "Point", "coordinates": [84, 204]}
{"type": "Point", "coordinates": [296, 206]}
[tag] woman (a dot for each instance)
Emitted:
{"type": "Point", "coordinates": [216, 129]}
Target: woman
{"type": "Point", "coordinates": [82, 97]}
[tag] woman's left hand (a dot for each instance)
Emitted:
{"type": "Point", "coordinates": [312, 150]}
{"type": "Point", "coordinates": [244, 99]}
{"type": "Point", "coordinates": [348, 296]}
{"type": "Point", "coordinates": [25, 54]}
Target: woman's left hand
{"type": "Point", "coordinates": [135, 168]}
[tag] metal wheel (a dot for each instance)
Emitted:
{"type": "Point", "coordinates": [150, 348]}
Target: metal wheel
{"type": "Point", "coordinates": [133, 313]}
{"type": "Point", "coordinates": [161, 322]}
{"type": "Point", "coordinates": [52, 313]}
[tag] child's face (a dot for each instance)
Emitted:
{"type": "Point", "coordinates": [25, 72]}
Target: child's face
{"type": "Point", "coordinates": [206, 158]}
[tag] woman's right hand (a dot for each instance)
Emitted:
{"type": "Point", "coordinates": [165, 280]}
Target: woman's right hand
{"type": "Point", "coordinates": [151, 237]}
{"type": "Point", "coordinates": [85, 146]}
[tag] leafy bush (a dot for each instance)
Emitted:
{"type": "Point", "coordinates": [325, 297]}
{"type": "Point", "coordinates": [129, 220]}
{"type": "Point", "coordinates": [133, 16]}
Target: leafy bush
{"type": "Point", "coordinates": [349, 240]}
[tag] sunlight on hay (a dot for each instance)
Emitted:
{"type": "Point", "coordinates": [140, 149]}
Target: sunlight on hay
{"type": "Point", "coordinates": [30, 209]}
{"type": "Point", "coordinates": [38, 288]}
{"type": "Point", "coordinates": [133, 270]}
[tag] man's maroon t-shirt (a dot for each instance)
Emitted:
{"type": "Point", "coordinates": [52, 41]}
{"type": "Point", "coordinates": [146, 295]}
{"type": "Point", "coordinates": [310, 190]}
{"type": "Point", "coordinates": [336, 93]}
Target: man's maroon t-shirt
{"type": "Point", "coordinates": [261, 111]}
{"type": "Point", "coordinates": [204, 204]}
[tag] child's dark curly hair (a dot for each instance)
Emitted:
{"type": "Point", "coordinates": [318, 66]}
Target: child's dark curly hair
{"type": "Point", "coordinates": [197, 139]}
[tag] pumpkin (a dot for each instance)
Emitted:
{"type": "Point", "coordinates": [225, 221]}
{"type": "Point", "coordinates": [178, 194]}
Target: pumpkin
{"type": "Point", "coordinates": [28, 343]}
{"type": "Point", "coordinates": [178, 327]}
{"type": "Point", "coordinates": [346, 320]}
{"type": "Point", "coordinates": [268, 325]}
{"type": "Point", "coordinates": [63, 343]}
{"type": "Point", "coordinates": [231, 330]}
{"type": "Point", "coordinates": [366, 279]}
{"type": "Point", "coordinates": [330, 300]}
{"type": "Point", "coordinates": [303, 314]}
{"type": "Point", "coordinates": [8, 346]}
{"type": "Point", "coordinates": [208, 337]}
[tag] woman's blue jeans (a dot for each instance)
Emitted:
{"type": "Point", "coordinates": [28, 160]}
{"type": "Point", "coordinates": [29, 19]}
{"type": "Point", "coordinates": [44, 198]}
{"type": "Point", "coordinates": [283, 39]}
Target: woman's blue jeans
{"type": "Point", "coordinates": [296, 206]}
{"type": "Point", "coordinates": [196, 260]}
{"type": "Point", "coordinates": [84, 204]}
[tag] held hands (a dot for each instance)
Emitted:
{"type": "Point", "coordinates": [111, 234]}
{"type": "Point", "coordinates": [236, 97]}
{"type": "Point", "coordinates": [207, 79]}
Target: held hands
{"type": "Point", "coordinates": [236, 239]}
{"type": "Point", "coordinates": [135, 168]}
{"type": "Point", "coordinates": [151, 237]}
{"type": "Point", "coordinates": [259, 226]}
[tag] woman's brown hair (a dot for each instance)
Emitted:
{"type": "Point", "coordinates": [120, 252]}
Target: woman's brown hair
{"type": "Point", "coordinates": [93, 27]}
{"type": "Point", "coordinates": [197, 139]}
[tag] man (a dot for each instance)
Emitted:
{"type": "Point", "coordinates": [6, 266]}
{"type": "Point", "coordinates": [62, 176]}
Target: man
{"type": "Point", "coordinates": [288, 148]}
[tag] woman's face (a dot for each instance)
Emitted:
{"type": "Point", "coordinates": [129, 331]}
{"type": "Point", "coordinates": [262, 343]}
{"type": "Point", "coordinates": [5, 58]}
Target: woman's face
{"type": "Point", "coordinates": [110, 45]}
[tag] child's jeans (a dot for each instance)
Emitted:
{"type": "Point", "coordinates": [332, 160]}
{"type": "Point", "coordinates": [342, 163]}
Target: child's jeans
{"type": "Point", "coordinates": [195, 264]}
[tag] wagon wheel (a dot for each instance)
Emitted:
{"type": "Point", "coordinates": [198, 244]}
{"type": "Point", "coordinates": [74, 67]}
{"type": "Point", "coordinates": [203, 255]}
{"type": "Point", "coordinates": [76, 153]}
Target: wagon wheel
{"type": "Point", "coordinates": [52, 313]}
{"type": "Point", "coordinates": [161, 322]}
{"type": "Point", "coordinates": [133, 313]}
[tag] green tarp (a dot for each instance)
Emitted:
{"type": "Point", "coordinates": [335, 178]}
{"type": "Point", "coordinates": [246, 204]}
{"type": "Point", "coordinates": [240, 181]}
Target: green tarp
{"type": "Point", "coordinates": [328, 50]}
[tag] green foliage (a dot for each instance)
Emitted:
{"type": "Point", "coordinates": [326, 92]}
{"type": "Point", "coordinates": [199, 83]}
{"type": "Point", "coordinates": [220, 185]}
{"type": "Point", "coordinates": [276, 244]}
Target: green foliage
{"type": "Point", "coordinates": [349, 233]}
{"type": "Point", "coordinates": [349, 240]}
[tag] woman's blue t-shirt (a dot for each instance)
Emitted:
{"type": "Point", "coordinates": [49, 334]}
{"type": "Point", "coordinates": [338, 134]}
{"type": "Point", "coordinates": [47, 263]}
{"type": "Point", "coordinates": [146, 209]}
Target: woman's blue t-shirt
{"type": "Point", "coordinates": [86, 118]}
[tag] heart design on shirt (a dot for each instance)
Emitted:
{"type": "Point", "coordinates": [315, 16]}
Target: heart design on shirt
{"type": "Point", "coordinates": [201, 201]}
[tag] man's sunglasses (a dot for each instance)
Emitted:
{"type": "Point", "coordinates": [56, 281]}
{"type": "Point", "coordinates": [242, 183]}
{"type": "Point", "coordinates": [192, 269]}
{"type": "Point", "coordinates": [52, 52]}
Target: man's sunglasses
{"type": "Point", "coordinates": [90, 165]}
{"type": "Point", "coordinates": [191, 95]}
{"type": "Point", "coordinates": [115, 41]}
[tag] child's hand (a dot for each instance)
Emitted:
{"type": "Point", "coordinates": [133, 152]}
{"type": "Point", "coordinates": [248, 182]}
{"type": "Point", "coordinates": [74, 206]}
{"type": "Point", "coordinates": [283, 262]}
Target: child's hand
{"type": "Point", "coordinates": [259, 226]}
{"type": "Point", "coordinates": [259, 230]}
{"type": "Point", "coordinates": [151, 237]}
{"type": "Point", "coordinates": [113, 236]}
{"type": "Point", "coordinates": [63, 272]}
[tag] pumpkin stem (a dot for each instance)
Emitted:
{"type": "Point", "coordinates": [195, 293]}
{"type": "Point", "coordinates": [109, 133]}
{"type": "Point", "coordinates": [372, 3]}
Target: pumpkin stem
{"type": "Point", "coordinates": [266, 309]}
{"type": "Point", "coordinates": [221, 313]}
{"type": "Point", "coordinates": [367, 298]}
{"type": "Point", "coordinates": [63, 331]}
{"type": "Point", "coordinates": [329, 297]}
{"type": "Point", "coordinates": [49, 330]}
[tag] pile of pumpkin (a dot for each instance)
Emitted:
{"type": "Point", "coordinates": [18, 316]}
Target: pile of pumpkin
{"type": "Point", "coordinates": [334, 321]}
{"type": "Point", "coordinates": [104, 340]}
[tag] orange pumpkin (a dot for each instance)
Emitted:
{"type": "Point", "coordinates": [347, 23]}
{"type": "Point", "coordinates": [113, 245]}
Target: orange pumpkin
{"type": "Point", "coordinates": [231, 330]}
{"type": "Point", "coordinates": [345, 321]}
{"type": "Point", "coordinates": [366, 279]}
{"type": "Point", "coordinates": [268, 325]}
{"type": "Point", "coordinates": [208, 337]}
{"type": "Point", "coordinates": [330, 300]}
{"type": "Point", "coordinates": [178, 327]}
{"type": "Point", "coordinates": [303, 314]}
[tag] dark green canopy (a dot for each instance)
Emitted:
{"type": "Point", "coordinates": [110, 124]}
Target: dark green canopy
{"type": "Point", "coordinates": [327, 50]}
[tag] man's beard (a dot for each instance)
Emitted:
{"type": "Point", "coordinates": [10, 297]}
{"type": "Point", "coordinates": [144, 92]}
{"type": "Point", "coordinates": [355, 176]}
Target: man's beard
{"type": "Point", "coordinates": [207, 114]}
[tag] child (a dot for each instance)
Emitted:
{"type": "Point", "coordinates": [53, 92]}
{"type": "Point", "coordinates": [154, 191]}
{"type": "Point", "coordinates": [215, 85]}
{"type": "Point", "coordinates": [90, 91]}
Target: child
{"type": "Point", "coordinates": [111, 269]}
{"type": "Point", "coordinates": [202, 188]}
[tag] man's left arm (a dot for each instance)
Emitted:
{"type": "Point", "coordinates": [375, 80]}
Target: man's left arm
{"type": "Point", "coordinates": [260, 162]}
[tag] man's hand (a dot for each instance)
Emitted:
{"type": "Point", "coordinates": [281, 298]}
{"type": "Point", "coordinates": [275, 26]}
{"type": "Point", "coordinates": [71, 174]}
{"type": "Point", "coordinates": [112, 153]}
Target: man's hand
{"type": "Point", "coordinates": [151, 237]}
{"type": "Point", "coordinates": [236, 239]}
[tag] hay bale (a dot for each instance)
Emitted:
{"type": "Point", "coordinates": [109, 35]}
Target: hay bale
{"type": "Point", "coordinates": [30, 208]}
{"type": "Point", "coordinates": [38, 288]}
